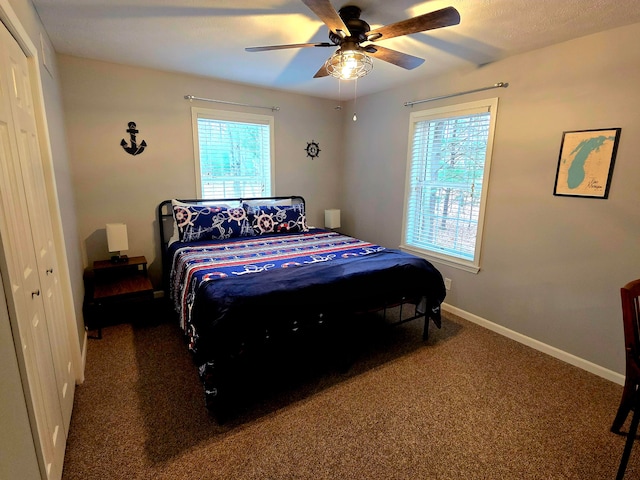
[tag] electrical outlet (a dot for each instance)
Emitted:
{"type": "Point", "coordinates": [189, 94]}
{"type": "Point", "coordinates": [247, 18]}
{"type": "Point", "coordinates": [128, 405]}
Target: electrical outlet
{"type": "Point", "coordinates": [447, 283]}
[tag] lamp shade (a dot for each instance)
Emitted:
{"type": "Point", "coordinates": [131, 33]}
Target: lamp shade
{"type": "Point", "coordinates": [117, 237]}
{"type": "Point", "coordinates": [332, 218]}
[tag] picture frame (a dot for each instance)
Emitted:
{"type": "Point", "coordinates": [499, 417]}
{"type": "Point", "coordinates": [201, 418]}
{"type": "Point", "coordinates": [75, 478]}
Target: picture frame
{"type": "Point", "coordinates": [585, 163]}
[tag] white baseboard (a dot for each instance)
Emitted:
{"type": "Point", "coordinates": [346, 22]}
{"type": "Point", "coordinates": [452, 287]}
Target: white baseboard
{"type": "Point", "coordinates": [83, 363]}
{"type": "Point", "coordinates": [537, 345]}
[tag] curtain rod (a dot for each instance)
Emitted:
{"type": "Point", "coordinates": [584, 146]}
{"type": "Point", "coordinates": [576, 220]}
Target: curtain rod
{"type": "Point", "coordinates": [497, 85]}
{"type": "Point", "coordinates": [191, 98]}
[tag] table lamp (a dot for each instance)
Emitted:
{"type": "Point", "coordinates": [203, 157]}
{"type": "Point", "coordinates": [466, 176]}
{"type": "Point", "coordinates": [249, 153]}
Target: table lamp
{"type": "Point", "coordinates": [117, 241]}
{"type": "Point", "coordinates": [332, 218]}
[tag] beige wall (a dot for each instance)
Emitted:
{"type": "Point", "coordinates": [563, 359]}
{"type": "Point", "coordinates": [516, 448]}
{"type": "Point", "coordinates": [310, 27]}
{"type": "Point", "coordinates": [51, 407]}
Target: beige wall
{"type": "Point", "coordinates": [112, 186]}
{"type": "Point", "coordinates": [551, 266]}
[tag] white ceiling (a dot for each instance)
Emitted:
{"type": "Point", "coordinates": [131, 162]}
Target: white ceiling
{"type": "Point", "coordinates": [207, 37]}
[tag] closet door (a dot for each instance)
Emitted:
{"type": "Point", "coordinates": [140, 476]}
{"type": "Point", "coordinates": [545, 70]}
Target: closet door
{"type": "Point", "coordinates": [18, 255]}
{"type": "Point", "coordinates": [40, 224]}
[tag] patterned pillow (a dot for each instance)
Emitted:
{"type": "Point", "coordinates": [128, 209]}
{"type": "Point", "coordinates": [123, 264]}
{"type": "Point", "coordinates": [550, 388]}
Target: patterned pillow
{"type": "Point", "coordinates": [175, 236]}
{"type": "Point", "coordinates": [210, 222]}
{"type": "Point", "coordinates": [277, 219]}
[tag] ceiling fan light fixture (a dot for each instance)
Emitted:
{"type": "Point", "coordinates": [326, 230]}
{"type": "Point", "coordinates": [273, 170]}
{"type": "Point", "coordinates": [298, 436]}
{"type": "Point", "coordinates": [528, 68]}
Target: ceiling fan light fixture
{"type": "Point", "coordinates": [349, 64]}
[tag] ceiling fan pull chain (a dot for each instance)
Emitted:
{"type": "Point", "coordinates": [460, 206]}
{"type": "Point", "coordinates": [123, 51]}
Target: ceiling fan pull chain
{"type": "Point", "coordinates": [355, 100]}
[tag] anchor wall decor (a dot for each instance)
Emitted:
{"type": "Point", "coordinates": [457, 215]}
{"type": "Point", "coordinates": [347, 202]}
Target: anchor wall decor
{"type": "Point", "coordinates": [134, 148]}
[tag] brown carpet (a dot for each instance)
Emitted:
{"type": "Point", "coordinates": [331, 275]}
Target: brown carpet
{"type": "Point", "coordinates": [467, 404]}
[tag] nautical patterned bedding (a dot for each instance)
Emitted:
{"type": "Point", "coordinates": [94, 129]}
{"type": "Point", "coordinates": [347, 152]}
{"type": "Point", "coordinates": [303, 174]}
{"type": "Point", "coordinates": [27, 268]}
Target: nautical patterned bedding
{"type": "Point", "coordinates": [268, 276]}
{"type": "Point", "coordinates": [196, 263]}
{"type": "Point", "coordinates": [250, 293]}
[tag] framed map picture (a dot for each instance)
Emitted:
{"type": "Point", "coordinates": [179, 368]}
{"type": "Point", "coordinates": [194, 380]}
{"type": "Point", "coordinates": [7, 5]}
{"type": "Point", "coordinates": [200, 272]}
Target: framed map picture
{"type": "Point", "coordinates": [586, 162]}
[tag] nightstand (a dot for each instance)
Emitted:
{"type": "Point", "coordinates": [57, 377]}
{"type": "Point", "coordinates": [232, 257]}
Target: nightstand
{"type": "Point", "coordinates": [112, 287]}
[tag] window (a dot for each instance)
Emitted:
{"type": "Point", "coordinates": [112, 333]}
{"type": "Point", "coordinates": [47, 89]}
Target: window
{"type": "Point", "coordinates": [233, 154]}
{"type": "Point", "coordinates": [447, 177]}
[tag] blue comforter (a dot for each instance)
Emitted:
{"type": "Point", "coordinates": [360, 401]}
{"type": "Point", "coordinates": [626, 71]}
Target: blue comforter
{"type": "Point", "coordinates": [232, 290]}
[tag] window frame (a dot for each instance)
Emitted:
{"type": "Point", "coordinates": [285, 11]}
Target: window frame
{"type": "Point", "coordinates": [491, 106]}
{"type": "Point", "coordinates": [232, 116]}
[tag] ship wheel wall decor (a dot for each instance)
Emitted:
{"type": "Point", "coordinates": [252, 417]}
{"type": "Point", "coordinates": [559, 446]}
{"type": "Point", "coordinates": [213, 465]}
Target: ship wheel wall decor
{"type": "Point", "coordinates": [313, 149]}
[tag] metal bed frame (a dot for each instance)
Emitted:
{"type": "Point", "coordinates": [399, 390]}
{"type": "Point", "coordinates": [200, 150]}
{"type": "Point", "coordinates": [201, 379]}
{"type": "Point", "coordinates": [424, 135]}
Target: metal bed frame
{"type": "Point", "coordinates": [166, 224]}
{"type": "Point", "coordinates": [308, 323]}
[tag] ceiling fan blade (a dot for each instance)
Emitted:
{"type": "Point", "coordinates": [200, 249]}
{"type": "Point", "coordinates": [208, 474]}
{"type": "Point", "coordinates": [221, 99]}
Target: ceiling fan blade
{"type": "Point", "coordinates": [293, 45]}
{"type": "Point", "coordinates": [400, 59]}
{"type": "Point", "coordinates": [325, 12]}
{"type": "Point", "coordinates": [429, 21]}
{"type": "Point", "coordinates": [322, 72]}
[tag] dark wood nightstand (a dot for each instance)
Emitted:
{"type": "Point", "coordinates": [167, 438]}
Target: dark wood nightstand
{"type": "Point", "coordinates": [112, 286]}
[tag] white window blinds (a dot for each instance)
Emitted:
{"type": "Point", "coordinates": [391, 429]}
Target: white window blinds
{"type": "Point", "coordinates": [446, 182]}
{"type": "Point", "coordinates": [234, 156]}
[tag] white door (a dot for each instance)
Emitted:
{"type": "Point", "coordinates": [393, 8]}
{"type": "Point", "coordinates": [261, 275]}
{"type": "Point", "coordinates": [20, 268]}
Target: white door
{"type": "Point", "coordinates": [19, 256]}
{"type": "Point", "coordinates": [40, 222]}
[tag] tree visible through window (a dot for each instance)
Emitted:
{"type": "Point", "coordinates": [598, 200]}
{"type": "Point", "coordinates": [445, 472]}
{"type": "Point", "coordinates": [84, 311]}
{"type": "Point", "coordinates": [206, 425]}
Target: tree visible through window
{"type": "Point", "coordinates": [446, 181]}
{"type": "Point", "coordinates": [234, 154]}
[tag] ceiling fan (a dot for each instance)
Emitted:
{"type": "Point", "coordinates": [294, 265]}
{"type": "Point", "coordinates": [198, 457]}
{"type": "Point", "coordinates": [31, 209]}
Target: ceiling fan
{"type": "Point", "coordinates": [356, 40]}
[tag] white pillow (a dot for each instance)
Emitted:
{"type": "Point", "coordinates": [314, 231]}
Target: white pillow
{"type": "Point", "coordinates": [286, 202]}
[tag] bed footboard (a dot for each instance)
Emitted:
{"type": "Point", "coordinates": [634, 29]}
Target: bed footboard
{"type": "Point", "coordinates": [329, 336]}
